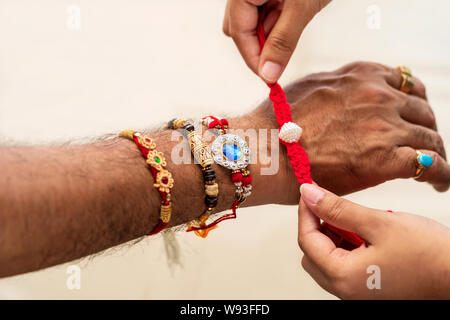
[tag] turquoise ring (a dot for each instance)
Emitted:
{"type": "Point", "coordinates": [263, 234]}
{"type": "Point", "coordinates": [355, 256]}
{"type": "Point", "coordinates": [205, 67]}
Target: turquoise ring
{"type": "Point", "coordinates": [422, 162]}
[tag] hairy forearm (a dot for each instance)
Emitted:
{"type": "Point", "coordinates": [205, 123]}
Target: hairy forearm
{"type": "Point", "coordinates": [60, 203]}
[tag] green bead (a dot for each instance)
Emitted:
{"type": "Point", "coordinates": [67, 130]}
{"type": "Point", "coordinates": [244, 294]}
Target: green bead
{"type": "Point", "coordinates": [158, 160]}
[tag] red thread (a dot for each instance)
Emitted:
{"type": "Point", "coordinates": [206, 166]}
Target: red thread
{"type": "Point", "coordinates": [216, 122]}
{"type": "Point", "coordinates": [297, 155]}
{"type": "Point", "coordinates": [228, 216]}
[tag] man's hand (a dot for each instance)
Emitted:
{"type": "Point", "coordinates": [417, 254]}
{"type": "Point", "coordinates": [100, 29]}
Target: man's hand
{"type": "Point", "coordinates": [284, 23]}
{"type": "Point", "coordinates": [411, 252]}
{"type": "Point", "coordinates": [359, 130]}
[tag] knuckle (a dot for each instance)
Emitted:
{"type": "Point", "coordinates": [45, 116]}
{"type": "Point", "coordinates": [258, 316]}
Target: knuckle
{"type": "Point", "coordinates": [423, 137]}
{"type": "Point", "coordinates": [429, 117]}
{"type": "Point", "coordinates": [432, 140]}
{"type": "Point", "coordinates": [364, 66]}
{"type": "Point", "coordinates": [420, 88]}
{"type": "Point", "coordinates": [279, 41]}
{"type": "Point", "coordinates": [432, 116]}
{"type": "Point", "coordinates": [344, 290]}
{"type": "Point", "coordinates": [335, 209]}
{"type": "Point", "coordinates": [305, 264]}
{"type": "Point", "coordinates": [343, 283]}
{"type": "Point", "coordinates": [355, 65]}
{"type": "Point", "coordinates": [348, 79]}
{"type": "Point", "coordinates": [380, 157]}
{"type": "Point", "coordinates": [226, 30]}
{"type": "Point", "coordinates": [408, 165]}
{"type": "Point", "coordinates": [379, 124]}
{"type": "Point", "coordinates": [378, 94]}
{"type": "Point", "coordinates": [325, 93]}
{"type": "Point", "coordinates": [232, 34]}
{"type": "Point", "coordinates": [300, 241]}
{"type": "Point", "coordinates": [439, 143]}
{"type": "Point", "coordinates": [338, 280]}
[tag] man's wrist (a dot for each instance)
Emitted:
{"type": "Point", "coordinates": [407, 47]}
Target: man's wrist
{"type": "Point", "coordinates": [273, 177]}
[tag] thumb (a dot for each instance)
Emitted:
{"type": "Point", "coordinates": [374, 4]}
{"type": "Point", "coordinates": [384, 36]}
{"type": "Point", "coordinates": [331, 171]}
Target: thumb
{"type": "Point", "coordinates": [283, 38]}
{"type": "Point", "coordinates": [343, 213]}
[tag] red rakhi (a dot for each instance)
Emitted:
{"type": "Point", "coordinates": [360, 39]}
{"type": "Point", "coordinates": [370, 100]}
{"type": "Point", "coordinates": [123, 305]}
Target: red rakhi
{"type": "Point", "coordinates": [162, 177]}
{"type": "Point", "coordinates": [290, 133]}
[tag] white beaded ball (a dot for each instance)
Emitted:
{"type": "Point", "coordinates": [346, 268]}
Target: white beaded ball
{"type": "Point", "coordinates": [290, 132]}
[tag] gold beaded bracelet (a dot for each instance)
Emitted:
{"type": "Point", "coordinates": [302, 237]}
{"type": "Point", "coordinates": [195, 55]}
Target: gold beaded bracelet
{"type": "Point", "coordinates": [202, 154]}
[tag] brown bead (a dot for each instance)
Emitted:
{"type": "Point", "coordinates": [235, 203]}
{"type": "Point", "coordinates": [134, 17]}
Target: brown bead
{"type": "Point", "coordinates": [211, 202]}
{"type": "Point", "coordinates": [209, 175]}
{"type": "Point", "coordinates": [188, 127]}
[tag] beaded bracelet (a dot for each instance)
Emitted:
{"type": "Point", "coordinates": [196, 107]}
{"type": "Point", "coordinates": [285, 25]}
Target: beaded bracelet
{"type": "Point", "coordinates": [231, 151]}
{"type": "Point", "coordinates": [202, 154]}
{"type": "Point", "coordinates": [163, 178]}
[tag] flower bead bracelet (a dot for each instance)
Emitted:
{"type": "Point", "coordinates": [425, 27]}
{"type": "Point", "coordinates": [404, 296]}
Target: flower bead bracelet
{"type": "Point", "coordinates": [163, 180]}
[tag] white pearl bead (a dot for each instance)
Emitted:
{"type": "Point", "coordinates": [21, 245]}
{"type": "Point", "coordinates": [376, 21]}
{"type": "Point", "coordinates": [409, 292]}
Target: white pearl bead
{"type": "Point", "coordinates": [290, 132]}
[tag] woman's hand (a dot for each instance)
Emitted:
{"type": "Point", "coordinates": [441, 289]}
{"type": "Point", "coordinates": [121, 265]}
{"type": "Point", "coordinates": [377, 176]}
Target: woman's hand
{"type": "Point", "coordinates": [285, 21]}
{"type": "Point", "coordinates": [407, 256]}
{"type": "Point", "coordinates": [359, 130]}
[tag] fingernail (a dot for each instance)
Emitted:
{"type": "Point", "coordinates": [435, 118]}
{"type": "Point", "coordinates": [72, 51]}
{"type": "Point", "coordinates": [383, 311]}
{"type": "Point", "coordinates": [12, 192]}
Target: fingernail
{"type": "Point", "coordinates": [310, 193]}
{"type": "Point", "coordinates": [271, 71]}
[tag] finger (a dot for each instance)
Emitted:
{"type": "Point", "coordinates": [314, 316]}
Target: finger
{"type": "Point", "coordinates": [418, 111]}
{"type": "Point", "coordinates": [419, 137]}
{"type": "Point", "coordinates": [342, 213]}
{"type": "Point", "coordinates": [316, 274]}
{"type": "Point", "coordinates": [394, 79]}
{"type": "Point", "coordinates": [284, 36]}
{"type": "Point", "coordinates": [226, 20]}
{"type": "Point", "coordinates": [243, 20]}
{"type": "Point", "coordinates": [438, 174]}
{"type": "Point", "coordinates": [314, 244]}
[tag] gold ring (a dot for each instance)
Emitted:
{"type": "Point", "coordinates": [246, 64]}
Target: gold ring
{"type": "Point", "coordinates": [405, 70]}
{"type": "Point", "coordinates": [422, 161]}
{"type": "Point", "coordinates": [407, 79]}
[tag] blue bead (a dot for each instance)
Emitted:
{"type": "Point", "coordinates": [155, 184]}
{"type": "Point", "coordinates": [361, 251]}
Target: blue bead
{"type": "Point", "coordinates": [425, 160]}
{"type": "Point", "coordinates": [231, 151]}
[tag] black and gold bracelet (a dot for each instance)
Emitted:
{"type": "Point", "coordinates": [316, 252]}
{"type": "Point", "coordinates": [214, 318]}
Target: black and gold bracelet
{"type": "Point", "coordinates": [203, 156]}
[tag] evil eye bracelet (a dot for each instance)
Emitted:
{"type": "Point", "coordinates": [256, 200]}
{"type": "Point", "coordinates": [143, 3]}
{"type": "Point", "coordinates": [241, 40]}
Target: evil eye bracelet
{"type": "Point", "coordinates": [162, 177]}
{"type": "Point", "coordinates": [203, 156]}
{"type": "Point", "coordinates": [231, 151]}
